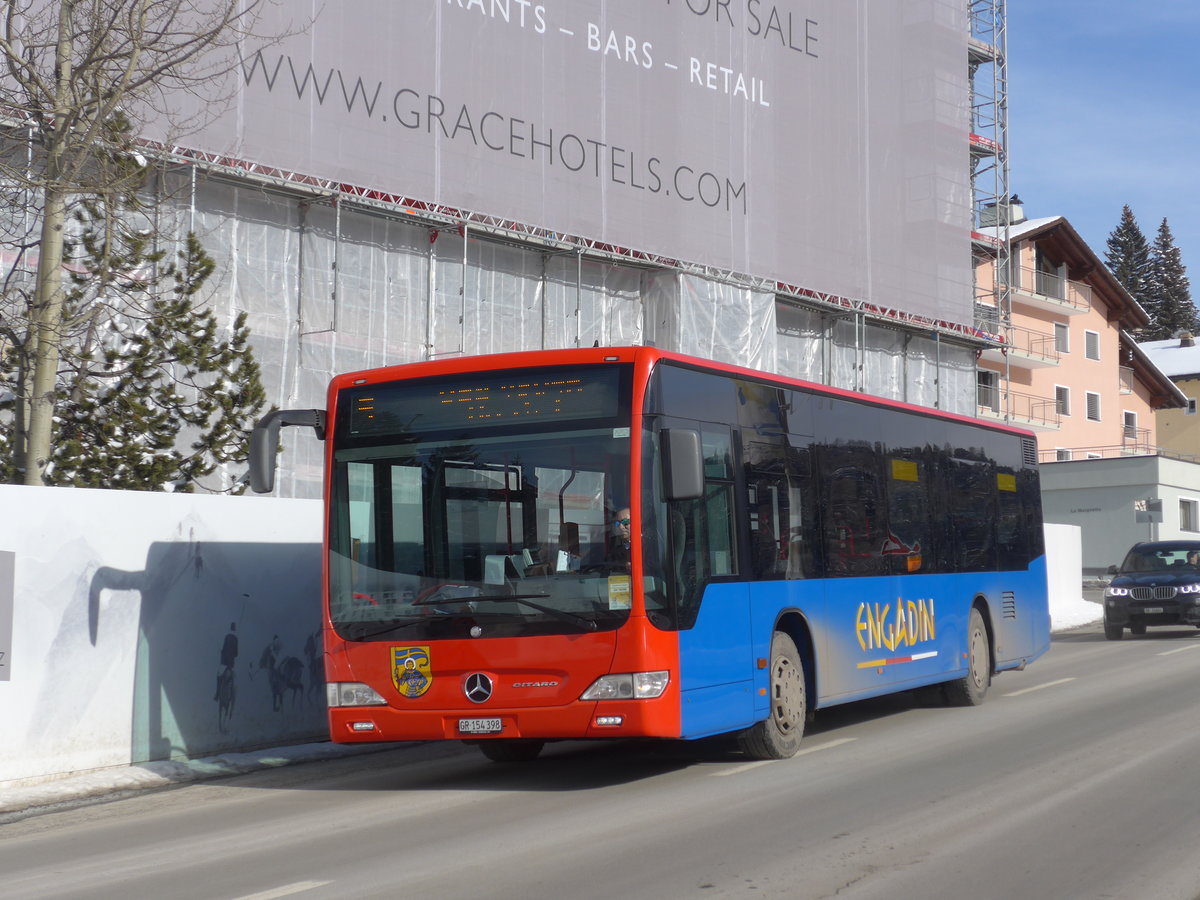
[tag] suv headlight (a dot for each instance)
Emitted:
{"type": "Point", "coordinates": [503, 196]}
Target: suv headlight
{"type": "Point", "coordinates": [1189, 589]}
{"type": "Point", "coordinates": [1116, 592]}
{"type": "Point", "coordinates": [628, 686]}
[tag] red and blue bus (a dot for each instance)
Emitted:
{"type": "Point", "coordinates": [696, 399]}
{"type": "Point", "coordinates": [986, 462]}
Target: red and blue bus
{"type": "Point", "coordinates": [626, 542]}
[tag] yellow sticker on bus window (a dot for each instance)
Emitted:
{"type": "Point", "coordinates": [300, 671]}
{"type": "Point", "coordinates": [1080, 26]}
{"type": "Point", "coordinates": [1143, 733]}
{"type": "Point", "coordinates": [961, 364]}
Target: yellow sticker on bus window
{"type": "Point", "coordinates": [1006, 482]}
{"type": "Point", "coordinates": [904, 470]}
{"type": "Point", "coordinates": [620, 592]}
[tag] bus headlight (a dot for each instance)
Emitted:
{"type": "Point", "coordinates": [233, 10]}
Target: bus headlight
{"type": "Point", "coordinates": [352, 693]}
{"type": "Point", "coordinates": [628, 686]}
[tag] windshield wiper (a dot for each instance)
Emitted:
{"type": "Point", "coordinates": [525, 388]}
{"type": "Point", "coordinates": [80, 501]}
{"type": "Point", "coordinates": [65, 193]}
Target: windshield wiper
{"type": "Point", "coordinates": [394, 625]}
{"type": "Point", "coordinates": [526, 599]}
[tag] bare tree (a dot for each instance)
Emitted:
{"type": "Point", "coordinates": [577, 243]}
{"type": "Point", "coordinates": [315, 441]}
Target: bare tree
{"type": "Point", "coordinates": [79, 80]}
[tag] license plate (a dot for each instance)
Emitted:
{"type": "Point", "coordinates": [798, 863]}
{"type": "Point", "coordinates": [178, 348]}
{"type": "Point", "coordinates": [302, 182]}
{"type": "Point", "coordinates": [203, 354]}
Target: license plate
{"type": "Point", "coordinates": [480, 726]}
{"type": "Point", "coordinates": [1150, 610]}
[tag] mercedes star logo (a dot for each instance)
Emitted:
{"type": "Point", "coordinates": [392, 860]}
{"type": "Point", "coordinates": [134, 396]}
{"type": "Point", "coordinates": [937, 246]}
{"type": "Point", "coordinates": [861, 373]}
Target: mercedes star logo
{"type": "Point", "coordinates": [478, 688]}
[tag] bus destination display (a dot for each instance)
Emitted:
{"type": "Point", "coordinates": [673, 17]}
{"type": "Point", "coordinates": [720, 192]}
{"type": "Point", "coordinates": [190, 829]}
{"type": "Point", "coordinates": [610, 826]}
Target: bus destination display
{"type": "Point", "coordinates": [484, 401]}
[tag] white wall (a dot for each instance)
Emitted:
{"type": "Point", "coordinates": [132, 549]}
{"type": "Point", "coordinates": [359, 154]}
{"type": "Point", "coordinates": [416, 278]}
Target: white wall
{"type": "Point", "coordinates": [1098, 495]}
{"type": "Point", "coordinates": [1064, 562]}
{"type": "Point", "coordinates": [120, 603]}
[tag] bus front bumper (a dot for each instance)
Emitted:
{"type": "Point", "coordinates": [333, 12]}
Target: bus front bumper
{"type": "Point", "coordinates": [608, 719]}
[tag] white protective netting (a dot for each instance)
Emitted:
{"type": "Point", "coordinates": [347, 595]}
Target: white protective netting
{"type": "Point", "coordinates": [331, 290]}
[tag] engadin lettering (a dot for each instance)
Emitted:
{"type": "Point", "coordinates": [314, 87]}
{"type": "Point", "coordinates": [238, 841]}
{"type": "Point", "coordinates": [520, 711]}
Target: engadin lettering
{"type": "Point", "coordinates": [877, 627]}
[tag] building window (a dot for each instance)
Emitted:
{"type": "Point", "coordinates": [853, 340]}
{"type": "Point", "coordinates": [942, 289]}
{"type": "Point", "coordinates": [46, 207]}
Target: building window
{"type": "Point", "coordinates": [1130, 425]}
{"type": "Point", "coordinates": [1062, 400]}
{"type": "Point", "coordinates": [1049, 276]}
{"type": "Point", "coordinates": [1189, 515]}
{"type": "Point", "coordinates": [1191, 407]}
{"type": "Point", "coordinates": [1091, 341]}
{"type": "Point", "coordinates": [987, 389]}
{"type": "Point", "coordinates": [1093, 407]}
{"type": "Point", "coordinates": [1061, 455]}
{"type": "Point", "coordinates": [1062, 337]}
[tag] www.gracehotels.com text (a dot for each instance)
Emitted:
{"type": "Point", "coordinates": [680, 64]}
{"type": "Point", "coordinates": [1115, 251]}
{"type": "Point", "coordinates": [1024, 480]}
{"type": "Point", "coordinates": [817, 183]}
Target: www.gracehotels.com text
{"type": "Point", "coordinates": [495, 132]}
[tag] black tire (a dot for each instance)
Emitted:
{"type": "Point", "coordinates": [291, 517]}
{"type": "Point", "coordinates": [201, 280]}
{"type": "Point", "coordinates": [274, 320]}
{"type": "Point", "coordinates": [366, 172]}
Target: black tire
{"type": "Point", "coordinates": [1113, 632]}
{"type": "Point", "coordinates": [1137, 629]}
{"type": "Point", "coordinates": [511, 750]}
{"type": "Point", "coordinates": [972, 687]}
{"type": "Point", "coordinates": [778, 736]}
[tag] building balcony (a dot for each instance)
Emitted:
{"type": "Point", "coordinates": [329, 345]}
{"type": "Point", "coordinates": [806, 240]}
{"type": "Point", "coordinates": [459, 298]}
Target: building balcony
{"type": "Point", "coordinates": [1135, 441]}
{"type": "Point", "coordinates": [1023, 347]}
{"type": "Point", "coordinates": [987, 319]}
{"type": "Point", "coordinates": [1015, 408]}
{"type": "Point", "coordinates": [1048, 291]}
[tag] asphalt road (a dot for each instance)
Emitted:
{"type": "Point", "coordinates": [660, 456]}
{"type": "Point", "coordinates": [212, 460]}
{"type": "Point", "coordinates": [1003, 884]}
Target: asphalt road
{"type": "Point", "coordinates": [1078, 778]}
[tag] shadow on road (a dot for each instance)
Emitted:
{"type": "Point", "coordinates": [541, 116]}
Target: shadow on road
{"type": "Point", "coordinates": [1094, 633]}
{"type": "Point", "coordinates": [565, 766]}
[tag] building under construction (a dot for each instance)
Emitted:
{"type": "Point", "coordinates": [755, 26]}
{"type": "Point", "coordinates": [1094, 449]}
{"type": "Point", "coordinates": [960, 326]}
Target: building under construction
{"type": "Point", "coordinates": [797, 188]}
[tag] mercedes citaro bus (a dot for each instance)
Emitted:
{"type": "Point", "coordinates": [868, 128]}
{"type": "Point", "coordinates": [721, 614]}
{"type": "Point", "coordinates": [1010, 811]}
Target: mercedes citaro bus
{"type": "Point", "coordinates": [782, 547]}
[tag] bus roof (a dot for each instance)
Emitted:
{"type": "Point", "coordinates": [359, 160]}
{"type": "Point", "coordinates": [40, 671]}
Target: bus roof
{"type": "Point", "coordinates": [642, 356]}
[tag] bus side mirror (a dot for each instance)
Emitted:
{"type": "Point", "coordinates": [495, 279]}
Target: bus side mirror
{"type": "Point", "coordinates": [683, 464]}
{"type": "Point", "coordinates": [264, 442]}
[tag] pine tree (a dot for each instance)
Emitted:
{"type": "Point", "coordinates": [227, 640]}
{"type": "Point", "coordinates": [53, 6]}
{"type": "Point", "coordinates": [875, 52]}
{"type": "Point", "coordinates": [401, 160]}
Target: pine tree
{"type": "Point", "coordinates": [1128, 256]}
{"type": "Point", "coordinates": [1167, 290]}
{"type": "Point", "coordinates": [72, 70]}
{"type": "Point", "coordinates": [150, 396]}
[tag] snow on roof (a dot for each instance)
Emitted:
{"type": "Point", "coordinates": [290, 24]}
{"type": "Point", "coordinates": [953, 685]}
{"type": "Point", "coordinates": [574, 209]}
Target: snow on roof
{"type": "Point", "coordinates": [1015, 232]}
{"type": "Point", "coordinates": [1172, 358]}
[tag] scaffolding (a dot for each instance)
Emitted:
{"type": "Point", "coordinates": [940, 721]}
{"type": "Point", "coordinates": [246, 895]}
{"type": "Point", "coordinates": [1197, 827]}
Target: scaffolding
{"type": "Point", "coordinates": [987, 47]}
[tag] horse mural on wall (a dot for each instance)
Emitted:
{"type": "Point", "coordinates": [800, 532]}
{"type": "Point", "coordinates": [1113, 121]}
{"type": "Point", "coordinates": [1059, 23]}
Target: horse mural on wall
{"type": "Point", "coordinates": [284, 675]}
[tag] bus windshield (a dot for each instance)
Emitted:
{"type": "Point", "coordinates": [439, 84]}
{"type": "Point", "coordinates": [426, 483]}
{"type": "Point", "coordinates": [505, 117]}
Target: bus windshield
{"type": "Point", "coordinates": [499, 528]}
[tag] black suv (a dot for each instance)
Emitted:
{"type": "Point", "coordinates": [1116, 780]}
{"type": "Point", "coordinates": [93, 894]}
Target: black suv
{"type": "Point", "coordinates": [1157, 584]}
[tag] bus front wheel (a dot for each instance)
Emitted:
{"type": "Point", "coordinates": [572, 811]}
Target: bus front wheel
{"type": "Point", "coordinates": [971, 688]}
{"type": "Point", "coordinates": [778, 736]}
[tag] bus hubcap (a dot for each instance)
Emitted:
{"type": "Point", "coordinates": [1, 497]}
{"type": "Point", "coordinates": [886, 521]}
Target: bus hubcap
{"type": "Point", "coordinates": [789, 695]}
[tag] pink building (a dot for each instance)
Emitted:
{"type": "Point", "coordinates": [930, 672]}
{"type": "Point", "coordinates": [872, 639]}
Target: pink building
{"type": "Point", "coordinates": [1066, 365]}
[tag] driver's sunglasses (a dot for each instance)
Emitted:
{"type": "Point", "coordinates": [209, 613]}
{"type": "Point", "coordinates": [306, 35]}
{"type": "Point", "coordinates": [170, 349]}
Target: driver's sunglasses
{"type": "Point", "coordinates": [620, 521]}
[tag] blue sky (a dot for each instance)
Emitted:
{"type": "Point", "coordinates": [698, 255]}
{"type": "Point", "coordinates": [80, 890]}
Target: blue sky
{"type": "Point", "coordinates": [1104, 110]}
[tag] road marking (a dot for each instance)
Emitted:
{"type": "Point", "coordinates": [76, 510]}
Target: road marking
{"type": "Point", "coordinates": [737, 770]}
{"type": "Point", "coordinates": [1048, 684]}
{"type": "Point", "coordinates": [1180, 649]}
{"type": "Point", "coordinates": [286, 890]}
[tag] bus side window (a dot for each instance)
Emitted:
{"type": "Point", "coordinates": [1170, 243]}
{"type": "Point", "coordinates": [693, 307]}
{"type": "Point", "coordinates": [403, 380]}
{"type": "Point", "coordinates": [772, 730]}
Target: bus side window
{"type": "Point", "coordinates": [702, 532]}
{"type": "Point", "coordinates": [777, 487]}
{"type": "Point", "coordinates": [972, 502]}
{"type": "Point", "coordinates": [908, 540]}
{"type": "Point", "coordinates": [1010, 524]}
{"type": "Point", "coordinates": [855, 535]}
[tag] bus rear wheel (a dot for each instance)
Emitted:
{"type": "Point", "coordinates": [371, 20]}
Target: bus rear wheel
{"type": "Point", "coordinates": [510, 750]}
{"type": "Point", "coordinates": [778, 736]}
{"type": "Point", "coordinates": [972, 687]}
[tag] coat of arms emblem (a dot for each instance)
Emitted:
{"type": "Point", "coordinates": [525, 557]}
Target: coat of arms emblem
{"type": "Point", "coordinates": [411, 672]}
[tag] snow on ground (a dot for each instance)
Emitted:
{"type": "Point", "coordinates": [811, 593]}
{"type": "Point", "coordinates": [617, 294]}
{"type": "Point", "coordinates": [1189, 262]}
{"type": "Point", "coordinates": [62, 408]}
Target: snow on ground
{"type": "Point", "coordinates": [1065, 614]}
